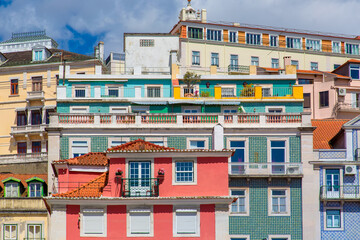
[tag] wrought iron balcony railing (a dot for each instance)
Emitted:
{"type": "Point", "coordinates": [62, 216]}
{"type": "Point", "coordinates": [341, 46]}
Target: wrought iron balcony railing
{"type": "Point", "coordinates": [139, 187]}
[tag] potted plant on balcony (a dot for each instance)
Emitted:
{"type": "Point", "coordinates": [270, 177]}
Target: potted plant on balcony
{"type": "Point", "coordinates": [190, 79]}
{"type": "Point", "coordinates": [119, 172]}
{"type": "Point", "coordinates": [161, 173]}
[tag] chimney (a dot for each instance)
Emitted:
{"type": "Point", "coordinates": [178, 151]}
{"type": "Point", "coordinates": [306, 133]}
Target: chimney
{"type": "Point", "coordinates": [99, 51]}
{"type": "Point", "coordinates": [182, 15]}
{"type": "Point", "coordinates": [287, 61]}
{"type": "Point", "coordinates": [203, 15]}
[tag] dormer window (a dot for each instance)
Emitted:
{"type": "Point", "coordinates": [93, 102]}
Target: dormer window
{"type": "Point", "coordinates": [38, 55]}
{"type": "Point", "coordinates": [12, 187]}
{"type": "Point", "coordinates": [35, 187]}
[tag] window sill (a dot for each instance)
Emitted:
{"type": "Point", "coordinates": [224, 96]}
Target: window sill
{"type": "Point", "coordinates": [279, 214]}
{"type": "Point", "coordinates": [323, 107]}
{"type": "Point", "coordinates": [14, 95]}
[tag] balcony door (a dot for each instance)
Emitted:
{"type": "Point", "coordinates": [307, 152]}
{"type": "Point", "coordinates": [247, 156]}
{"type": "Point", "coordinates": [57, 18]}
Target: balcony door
{"type": "Point", "coordinates": [139, 182]}
{"type": "Point", "coordinates": [278, 156]}
{"type": "Point", "coordinates": [332, 183]}
{"type": "Point", "coordinates": [238, 159]}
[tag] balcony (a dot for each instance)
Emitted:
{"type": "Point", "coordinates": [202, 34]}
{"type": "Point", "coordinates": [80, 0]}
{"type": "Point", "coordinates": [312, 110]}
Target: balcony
{"type": "Point", "coordinates": [21, 204]}
{"type": "Point", "coordinates": [35, 95]}
{"type": "Point", "coordinates": [176, 120]}
{"type": "Point", "coordinates": [343, 192]}
{"type": "Point", "coordinates": [242, 169]}
{"type": "Point", "coordinates": [28, 129]}
{"type": "Point", "coordinates": [348, 107]}
{"type": "Point", "coordinates": [24, 158]}
{"type": "Point", "coordinates": [332, 155]}
{"type": "Point", "coordinates": [238, 69]}
{"type": "Point", "coordinates": [135, 187]}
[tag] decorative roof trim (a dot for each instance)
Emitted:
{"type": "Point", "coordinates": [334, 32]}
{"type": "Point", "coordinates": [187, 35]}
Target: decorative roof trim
{"type": "Point", "coordinates": [35, 179]}
{"type": "Point", "coordinates": [11, 179]}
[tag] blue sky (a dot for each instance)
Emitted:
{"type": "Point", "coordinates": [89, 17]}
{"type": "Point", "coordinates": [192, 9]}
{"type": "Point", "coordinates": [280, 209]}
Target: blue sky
{"type": "Point", "coordinates": [78, 25]}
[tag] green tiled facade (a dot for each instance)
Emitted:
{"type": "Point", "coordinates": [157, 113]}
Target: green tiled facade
{"type": "Point", "coordinates": [258, 224]}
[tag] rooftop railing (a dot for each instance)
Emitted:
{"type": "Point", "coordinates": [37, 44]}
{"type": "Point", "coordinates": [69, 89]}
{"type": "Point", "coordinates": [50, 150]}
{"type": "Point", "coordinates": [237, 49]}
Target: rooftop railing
{"type": "Point", "coordinates": [265, 169]}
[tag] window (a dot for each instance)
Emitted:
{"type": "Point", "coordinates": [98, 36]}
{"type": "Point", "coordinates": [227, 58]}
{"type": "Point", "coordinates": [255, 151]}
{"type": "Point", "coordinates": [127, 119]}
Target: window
{"type": "Point", "coordinates": [195, 33]}
{"type": "Point", "coordinates": [273, 41]}
{"type": "Point", "coordinates": [93, 222]}
{"type": "Point", "coordinates": [191, 109]}
{"type": "Point", "coordinates": [80, 92]}
{"type": "Point", "coordinates": [139, 109]}
{"type": "Point", "coordinates": [234, 62]}
{"type": "Point", "coordinates": [21, 118]}
{"type": "Point", "coordinates": [35, 189]}
{"type": "Point", "coordinates": [84, 109]}
{"type": "Point", "coordinates": [336, 47]}
{"type": "Point", "coordinates": [21, 148]}
{"type": "Point", "coordinates": [255, 61]}
{"type": "Point", "coordinates": [14, 87]}
{"type": "Point", "coordinates": [333, 218]}
{"type": "Point", "coordinates": [307, 100]}
{"type": "Point", "coordinates": [12, 189]}
{"type": "Point", "coordinates": [140, 221]}
{"type": "Point", "coordinates": [115, 143]}
{"type": "Point", "coordinates": [278, 156]}
{"type": "Point", "coordinates": [352, 49]}
{"type": "Point", "coordinates": [254, 39]}
{"type": "Point", "coordinates": [197, 144]}
{"type": "Point", "coordinates": [38, 55]}
{"type": "Point", "coordinates": [305, 81]}
{"type": "Point", "coordinates": [153, 92]}
{"type": "Point", "coordinates": [36, 84]}
{"type": "Point", "coordinates": [186, 222]}
{"type": "Point", "coordinates": [279, 237]}
{"type": "Point", "coordinates": [355, 71]}
{"type": "Point", "coordinates": [79, 148]}
{"type": "Point", "coordinates": [147, 42]}
{"type": "Point", "coordinates": [184, 172]}
{"type": "Point", "coordinates": [240, 205]}
{"type": "Point", "coordinates": [324, 99]}
{"type": "Point", "coordinates": [36, 147]}
{"type": "Point", "coordinates": [227, 92]}
{"type": "Point", "coordinates": [295, 63]}
{"type": "Point", "coordinates": [195, 58]}
{"type": "Point", "coordinates": [215, 59]}
{"type": "Point", "coordinates": [314, 66]}
{"type": "Point", "coordinates": [214, 35]}
{"type": "Point", "coordinates": [293, 42]}
{"type": "Point", "coordinates": [233, 37]}
{"type": "Point", "coordinates": [48, 111]}
{"type": "Point", "coordinates": [275, 63]}
{"type": "Point", "coordinates": [10, 232]}
{"type": "Point", "coordinates": [239, 155]}
{"type": "Point", "coordinates": [313, 45]}
{"type": "Point", "coordinates": [112, 92]}
{"type": "Point", "coordinates": [336, 66]}
{"type": "Point", "coordinates": [279, 202]}
{"type": "Point", "coordinates": [274, 110]}
{"type": "Point", "coordinates": [36, 118]}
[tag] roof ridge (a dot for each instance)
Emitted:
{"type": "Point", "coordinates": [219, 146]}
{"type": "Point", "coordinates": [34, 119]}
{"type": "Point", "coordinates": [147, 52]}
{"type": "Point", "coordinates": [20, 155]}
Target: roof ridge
{"type": "Point", "coordinates": [122, 146]}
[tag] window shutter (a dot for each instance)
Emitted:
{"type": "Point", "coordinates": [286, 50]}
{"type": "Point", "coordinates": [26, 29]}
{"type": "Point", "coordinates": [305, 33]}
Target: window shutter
{"type": "Point", "coordinates": [186, 221]}
{"type": "Point", "coordinates": [353, 100]}
{"type": "Point", "coordinates": [93, 221]}
{"type": "Point", "coordinates": [140, 221]}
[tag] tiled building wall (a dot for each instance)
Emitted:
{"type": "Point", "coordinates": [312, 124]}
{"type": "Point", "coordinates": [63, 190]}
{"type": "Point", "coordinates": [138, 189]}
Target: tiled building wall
{"type": "Point", "coordinates": [258, 224]}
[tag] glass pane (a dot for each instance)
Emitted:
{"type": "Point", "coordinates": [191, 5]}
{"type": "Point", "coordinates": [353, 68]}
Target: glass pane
{"type": "Point", "coordinates": [277, 155]}
{"type": "Point", "coordinates": [277, 143]}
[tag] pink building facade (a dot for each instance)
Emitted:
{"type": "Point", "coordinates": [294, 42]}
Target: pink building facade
{"type": "Point", "coordinates": [142, 190]}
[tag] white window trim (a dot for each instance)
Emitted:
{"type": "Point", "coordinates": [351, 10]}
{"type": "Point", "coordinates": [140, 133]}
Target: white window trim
{"type": "Point", "coordinates": [341, 218]}
{"type": "Point", "coordinates": [112, 109]}
{"type": "Point", "coordinates": [233, 86]}
{"type": "Point", "coordinates": [127, 160]}
{"type": "Point", "coordinates": [267, 86]}
{"type": "Point", "coordinates": [279, 236]}
{"type": "Point", "coordinates": [254, 57]}
{"type": "Point", "coordinates": [192, 53]}
{"type": "Point", "coordinates": [87, 90]}
{"type": "Point", "coordinates": [124, 139]}
{"type": "Point", "coordinates": [351, 44]}
{"type": "Point", "coordinates": [33, 223]}
{"type": "Point", "coordinates": [341, 172]}
{"type": "Point", "coordinates": [187, 30]}
{"type": "Point", "coordinates": [154, 85]}
{"type": "Point", "coordinates": [197, 208]}
{"type": "Point", "coordinates": [247, 237]}
{"type": "Point", "coordinates": [332, 46]}
{"type": "Point", "coordinates": [158, 139]}
{"type": "Point", "coordinates": [229, 139]}
{"type": "Point", "coordinates": [221, 34]}
{"type": "Point", "coordinates": [206, 144]}
{"type": "Point", "coordinates": [11, 223]}
{"type": "Point", "coordinates": [82, 234]}
{"type": "Point", "coordinates": [247, 203]}
{"type": "Point", "coordinates": [267, 108]}
{"type": "Point", "coordinates": [71, 141]}
{"type": "Point", "coordinates": [301, 42]}
{"type": "Point", "coordinates": [236, 36]}
{"type": "Point", "coordinates": [73, 109]}
{"type": "Point", "coordinates": [287, 149]}
{"type": "Point", "coordinates": [183, 108]}
{"type": "Point", "coordinates": [277, 40]}
{"type": "Point", "coordinates": [287, 197]}
{"type": "Point", "coordinates": [120, 88]}
{"type": "Point", "coordinates": [313, 39]}
{"type": "Point", "coordinates": [128, 221]}
{"type": "Point", "coordinates": [174, 160]}
{"type": "Point", "coordinates": [261, 38]}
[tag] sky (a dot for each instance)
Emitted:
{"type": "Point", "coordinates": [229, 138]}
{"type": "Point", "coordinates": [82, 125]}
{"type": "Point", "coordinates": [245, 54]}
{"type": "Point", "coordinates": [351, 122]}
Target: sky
{"type": "Point", "coordinates": [79, 25]}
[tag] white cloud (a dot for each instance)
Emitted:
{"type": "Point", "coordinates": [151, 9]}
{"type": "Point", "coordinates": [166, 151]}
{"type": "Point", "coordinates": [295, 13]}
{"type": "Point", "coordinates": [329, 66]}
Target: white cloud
{"type": "Point", "coordinates": [110, 19]}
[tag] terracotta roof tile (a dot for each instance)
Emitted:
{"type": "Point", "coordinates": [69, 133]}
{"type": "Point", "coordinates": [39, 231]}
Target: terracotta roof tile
{"type": "Point", "coordinates": [22, 178]}
{"type": "Point", "coordinates": [92, 189]}
{"type": "Point", "coordinates": [325, 130]}
{"type": "Point", "coordinates": [308, 71]}
{"type": "Point", "coordinates": [90, 159]}
{"type": "Point", "coordinates": [138, 145]}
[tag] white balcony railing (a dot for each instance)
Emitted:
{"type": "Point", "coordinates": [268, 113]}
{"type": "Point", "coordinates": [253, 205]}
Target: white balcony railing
{"type": "Point", "coordinates": [23, 158]}
{"type": "Point", "coordinates": [28, 129]}
{"type": "Point", "coordinates": [166, 120]}
{"type": "Point", "coordinates": [35, 95]}
{"type": "Point", "coordinates": [332, 154]}
{"type": "Point", "coordinates": [265, 169]}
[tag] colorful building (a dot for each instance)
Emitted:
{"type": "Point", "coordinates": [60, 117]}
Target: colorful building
{"type": "Point", "coordinates": [140, 189]}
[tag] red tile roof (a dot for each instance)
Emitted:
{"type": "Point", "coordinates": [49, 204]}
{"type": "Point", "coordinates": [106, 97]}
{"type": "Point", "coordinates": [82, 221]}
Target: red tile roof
{"type": "Point", "coordinates": [308, 71]}
{"type": "Point", "coordinates": [22, 178]}
{"type": "Point", "coordinates": [138, 145]}
{"type": "Point", "coordinates": [325, 130]}
{"type": "Point", "coordinates": [94, 188]}
{"type": "Point", "coordinates": [90, 159]}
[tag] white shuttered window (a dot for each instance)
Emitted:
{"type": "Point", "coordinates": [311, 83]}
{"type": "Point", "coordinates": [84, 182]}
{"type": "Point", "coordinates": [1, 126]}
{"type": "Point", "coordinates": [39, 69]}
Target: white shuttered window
{"type": "Point", "coordinates": [186, 221]}
{"type": "Point", "coordinates": [140, 221]}
{"type": "Point", "coordinates": [93, 221]}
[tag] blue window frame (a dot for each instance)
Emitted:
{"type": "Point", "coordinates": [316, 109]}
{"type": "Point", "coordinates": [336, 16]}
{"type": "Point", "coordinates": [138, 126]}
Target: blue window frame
{"type": "Point", "coordinates": [333, 218]}
{"type": "Point", "coordinates": [239, 155]}
{"type": "Point", "coordinates": [184, 171]}
{"type": "Point", "coordinates": [213, 35]}
{"type": "Point", "coordinates": [278, 155]}
{"type": "Point", "coordinates": [355, 71]}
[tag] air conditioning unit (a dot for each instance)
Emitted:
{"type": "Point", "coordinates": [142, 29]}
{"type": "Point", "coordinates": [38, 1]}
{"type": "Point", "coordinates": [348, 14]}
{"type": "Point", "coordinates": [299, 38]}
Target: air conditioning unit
{"type": "Point", "coordinates": [342, 91]}
{"type": "Point", "coordinates": [293, 170]}
{"type": "Point", "coordinates": [350, 169]}
{"type": "Point", "coordinates": [282, 72]}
